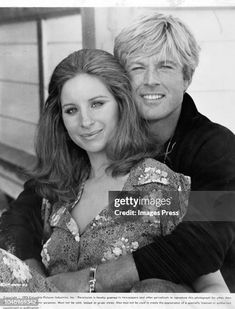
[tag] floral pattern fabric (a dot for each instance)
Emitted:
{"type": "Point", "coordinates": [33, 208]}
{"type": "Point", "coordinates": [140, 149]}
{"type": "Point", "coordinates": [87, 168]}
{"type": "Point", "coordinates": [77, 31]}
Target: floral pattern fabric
{"type": "Point", "coordinates": [16, 276]}
{"type": "Point", "coordinates": [109, 235]}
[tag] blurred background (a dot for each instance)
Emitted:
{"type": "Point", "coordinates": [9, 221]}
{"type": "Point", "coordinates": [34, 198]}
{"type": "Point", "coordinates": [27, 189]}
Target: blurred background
{"type": "Point", "coordinates": [34, 40]}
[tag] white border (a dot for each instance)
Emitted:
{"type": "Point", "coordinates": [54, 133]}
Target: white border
{"type": "Point", "coordinates": [118, 3]}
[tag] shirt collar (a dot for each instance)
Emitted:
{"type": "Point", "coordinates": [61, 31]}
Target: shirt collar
{"type": "Point", "coordinates": [188, 113]}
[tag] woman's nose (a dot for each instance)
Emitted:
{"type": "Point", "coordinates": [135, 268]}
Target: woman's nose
{"type": "Point", "coordinates": [86, 120]}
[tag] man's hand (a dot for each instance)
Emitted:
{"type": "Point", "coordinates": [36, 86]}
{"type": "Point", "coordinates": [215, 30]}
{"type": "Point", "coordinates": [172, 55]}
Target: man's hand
{"type": "Point", "coordinates": [72, 281]}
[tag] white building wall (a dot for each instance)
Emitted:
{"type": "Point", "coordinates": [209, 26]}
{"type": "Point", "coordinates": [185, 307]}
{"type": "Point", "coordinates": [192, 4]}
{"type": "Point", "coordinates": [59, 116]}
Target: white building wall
{"type": "Point", "coordinates": [19, 87]}
{"type": "Point", "coordinates": [19, 73]}
{"type": "Point", "coordinates": [19, 95]}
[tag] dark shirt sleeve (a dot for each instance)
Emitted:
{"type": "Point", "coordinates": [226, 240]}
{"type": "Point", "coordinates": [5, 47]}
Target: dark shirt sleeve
{"type": "Point", "coordinates": [21, 226]}
{"type": "Point", "coordinates": [198, 247]}
{"type": "Point", "coordinates": [191, 250]}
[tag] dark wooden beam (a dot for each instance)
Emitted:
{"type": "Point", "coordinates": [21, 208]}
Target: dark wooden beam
{"type": "Point", "coordinates": [40, 45]}
{"type": "Point", "coordinates": [88, 27]}
{"type": "Point", "coordinates": [9, 15]}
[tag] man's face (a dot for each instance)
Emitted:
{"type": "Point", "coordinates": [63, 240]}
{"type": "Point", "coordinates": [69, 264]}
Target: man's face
{"type": "Point", "coordinates": [158, 86]}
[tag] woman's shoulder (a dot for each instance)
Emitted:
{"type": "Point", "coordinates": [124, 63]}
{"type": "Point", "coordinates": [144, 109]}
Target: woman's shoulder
{"type": "Point", "coordinates": [153, 163]}
{"type": "Point", "coordinates": [150, 170]}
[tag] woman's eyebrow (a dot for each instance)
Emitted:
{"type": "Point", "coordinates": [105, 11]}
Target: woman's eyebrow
{"type": "Point", "coordinates": [98, 97]}
{"type": "Point", "coordinates": [66, 104]}
{"type": "Point", "coordinates": [91, 99]}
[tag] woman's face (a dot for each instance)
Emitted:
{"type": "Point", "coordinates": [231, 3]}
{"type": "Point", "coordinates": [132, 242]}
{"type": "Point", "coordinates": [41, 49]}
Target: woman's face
{"type": "Point", "coordinates": [89, 111]}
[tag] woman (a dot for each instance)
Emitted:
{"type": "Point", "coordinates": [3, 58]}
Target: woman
{"type": "Point", "coordinates": [91, 141]}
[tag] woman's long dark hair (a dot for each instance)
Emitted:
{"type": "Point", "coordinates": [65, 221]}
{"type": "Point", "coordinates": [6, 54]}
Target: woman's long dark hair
{"type": "Point", "coordinates": [61, 164]}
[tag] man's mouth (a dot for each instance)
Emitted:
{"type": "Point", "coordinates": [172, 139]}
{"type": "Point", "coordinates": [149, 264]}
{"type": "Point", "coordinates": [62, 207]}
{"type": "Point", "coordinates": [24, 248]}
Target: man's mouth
{"type": "Point", "coordinates": [152, 96]}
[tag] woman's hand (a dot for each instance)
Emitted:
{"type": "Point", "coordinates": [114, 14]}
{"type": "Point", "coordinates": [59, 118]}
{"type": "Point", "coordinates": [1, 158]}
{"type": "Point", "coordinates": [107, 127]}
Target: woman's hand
{"type": "Point", "coordinates": [114, 276]}
{"type": "Point", "coordinates": [71, 281]}
{"type": "Point", "coordinates": [38, 266]}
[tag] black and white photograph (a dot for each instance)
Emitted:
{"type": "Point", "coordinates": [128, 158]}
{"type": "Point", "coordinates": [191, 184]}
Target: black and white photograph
{"type": "Point", "coordinates": [117, 153]}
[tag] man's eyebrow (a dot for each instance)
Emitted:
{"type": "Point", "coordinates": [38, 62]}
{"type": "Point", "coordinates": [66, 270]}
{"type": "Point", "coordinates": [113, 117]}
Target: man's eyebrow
{"type": "Point", "coordinates": [139, 62]}
{"type": "Point", "coordinates": [167, 61]}
{"type": "Point", "coordinates": [136, 62]}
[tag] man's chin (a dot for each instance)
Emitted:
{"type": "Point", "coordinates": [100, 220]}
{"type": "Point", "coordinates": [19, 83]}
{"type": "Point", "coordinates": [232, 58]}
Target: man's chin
{"type": "Point", "coordinates": [151, 114]}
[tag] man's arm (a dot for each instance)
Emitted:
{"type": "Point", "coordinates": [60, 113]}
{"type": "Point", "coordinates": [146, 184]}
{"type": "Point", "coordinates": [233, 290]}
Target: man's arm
{"type": "Point", "coordinates": [191, 250]}
{"type": "Point", "coordinates": [21, 226]}
{"type": "Point", "coordinates": [173, 257]}
{"type": "Point", "coordinates": [198, 247]}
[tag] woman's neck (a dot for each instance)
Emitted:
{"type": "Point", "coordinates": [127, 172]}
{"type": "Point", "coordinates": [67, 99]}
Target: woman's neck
{"type": "Point", "coordinates": [99, 163]}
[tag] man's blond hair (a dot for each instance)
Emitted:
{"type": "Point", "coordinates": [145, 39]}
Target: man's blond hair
{"type": "Point", "coordinates": [160, 35]}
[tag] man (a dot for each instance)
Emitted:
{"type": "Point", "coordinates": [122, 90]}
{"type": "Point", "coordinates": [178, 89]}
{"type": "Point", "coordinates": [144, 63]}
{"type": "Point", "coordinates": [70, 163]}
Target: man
{"type": "Point", "coordinates": [160, 55]}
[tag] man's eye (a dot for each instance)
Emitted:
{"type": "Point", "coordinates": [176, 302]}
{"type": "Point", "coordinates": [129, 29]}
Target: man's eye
{"type": "Point", "coordinates": [70, 111]}
{"type": "Point", "coordinates": [96, 104]}
{"type": "Point", "coordinates": [166, 67]}
{"type": "Point", "coordinates": [137, 68]}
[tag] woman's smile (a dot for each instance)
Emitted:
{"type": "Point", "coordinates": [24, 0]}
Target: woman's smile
{"type": "Point", "coordinates": [91, 135]}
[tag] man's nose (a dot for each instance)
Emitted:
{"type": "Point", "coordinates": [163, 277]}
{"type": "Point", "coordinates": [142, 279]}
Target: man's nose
{"type": "Point", "coordinates": [86, 119]}
{"type": "Point", "coordinates": [151, 77]}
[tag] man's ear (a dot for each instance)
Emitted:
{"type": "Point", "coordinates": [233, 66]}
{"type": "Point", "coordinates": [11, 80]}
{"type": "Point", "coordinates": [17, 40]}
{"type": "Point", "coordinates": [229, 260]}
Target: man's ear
{"type": "Point", "coordinates": [187, 83]}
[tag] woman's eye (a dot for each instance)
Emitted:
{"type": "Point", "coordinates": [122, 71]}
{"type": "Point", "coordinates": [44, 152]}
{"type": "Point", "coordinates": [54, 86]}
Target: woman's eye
{"type": "Point", "coordinates": [96, 104]}
{"type": "Point", "coordinates": [70, 111]}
